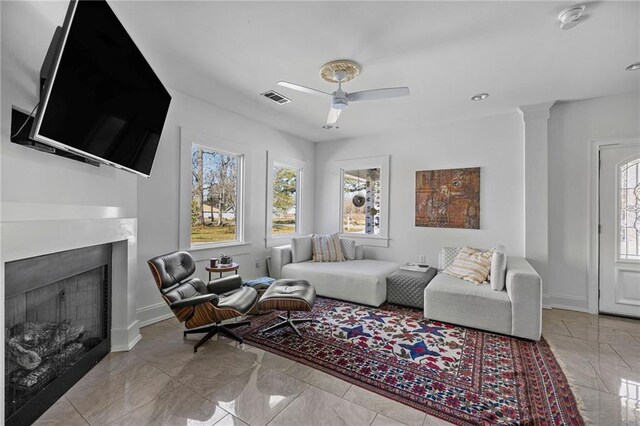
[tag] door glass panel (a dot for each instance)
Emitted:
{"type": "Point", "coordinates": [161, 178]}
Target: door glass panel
{"type": "Point", "coordinates": [629, 213]}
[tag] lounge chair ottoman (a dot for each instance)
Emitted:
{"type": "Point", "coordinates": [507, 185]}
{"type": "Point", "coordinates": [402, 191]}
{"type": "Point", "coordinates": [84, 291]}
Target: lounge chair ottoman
{"type": "Point", "coordinates": [288, 295]}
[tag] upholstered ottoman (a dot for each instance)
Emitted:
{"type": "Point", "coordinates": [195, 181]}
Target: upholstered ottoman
{"type": "Point", "coordinates": [288, 295]}
{"type": "Point", "coordinates": [407, 287]}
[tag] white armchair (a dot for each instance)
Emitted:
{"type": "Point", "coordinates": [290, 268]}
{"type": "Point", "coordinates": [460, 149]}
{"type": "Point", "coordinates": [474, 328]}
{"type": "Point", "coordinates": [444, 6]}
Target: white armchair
{"type": "Point", "coordinates": [516, 310]}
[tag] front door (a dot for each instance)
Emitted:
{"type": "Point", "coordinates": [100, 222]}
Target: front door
{"type": "Point", "coordinates": [620, 229]}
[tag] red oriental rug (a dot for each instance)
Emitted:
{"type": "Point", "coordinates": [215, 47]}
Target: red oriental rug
{"type": "Point", "coordinates": [461, 375]}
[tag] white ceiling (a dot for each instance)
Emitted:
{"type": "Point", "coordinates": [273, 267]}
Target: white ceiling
{"type": "Point", "coordinates": [445, 52]}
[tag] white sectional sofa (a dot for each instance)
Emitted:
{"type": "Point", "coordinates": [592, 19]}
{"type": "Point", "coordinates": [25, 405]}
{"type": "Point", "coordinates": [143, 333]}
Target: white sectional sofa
{"type": "Point", "coordinates": [359, 280]}
{"type": "Point", "coordinates": [516, 310]}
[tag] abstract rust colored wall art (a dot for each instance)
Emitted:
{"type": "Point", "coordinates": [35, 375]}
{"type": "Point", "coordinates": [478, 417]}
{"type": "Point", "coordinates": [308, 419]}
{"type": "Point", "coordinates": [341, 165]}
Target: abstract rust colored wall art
{"type": "Point", "coordinates": [448, 198]}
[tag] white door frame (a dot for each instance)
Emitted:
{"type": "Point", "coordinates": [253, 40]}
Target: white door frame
{"type": "Point", "coordinates": [594, 216]}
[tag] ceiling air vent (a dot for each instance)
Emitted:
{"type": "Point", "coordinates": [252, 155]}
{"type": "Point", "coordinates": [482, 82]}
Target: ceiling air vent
{"type": "Point", "coordinates": [276, 97]}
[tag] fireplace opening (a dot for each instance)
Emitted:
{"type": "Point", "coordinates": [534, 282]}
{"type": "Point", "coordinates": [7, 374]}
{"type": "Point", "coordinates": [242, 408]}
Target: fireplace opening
{"type": "Point", "coordinates": [57, 326]}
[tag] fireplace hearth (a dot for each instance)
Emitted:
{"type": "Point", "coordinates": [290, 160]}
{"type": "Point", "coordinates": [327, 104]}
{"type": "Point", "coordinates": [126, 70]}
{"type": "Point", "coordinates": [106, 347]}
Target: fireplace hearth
{"type": "Point", "coordinates": [57, 326]}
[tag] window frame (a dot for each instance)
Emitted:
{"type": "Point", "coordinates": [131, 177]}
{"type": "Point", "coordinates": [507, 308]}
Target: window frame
{"type": "Point", "coordinates": [273, 159]}
{"type": "Point", "coordinates": [381, 162]}
{"type": "Point", "coordinates": [188, 139]}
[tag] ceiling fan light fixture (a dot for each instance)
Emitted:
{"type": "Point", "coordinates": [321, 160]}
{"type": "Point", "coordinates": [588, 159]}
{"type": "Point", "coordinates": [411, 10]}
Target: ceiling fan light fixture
{"type": "Point", "coordinates": [339, 103]}
{"type": "Point", "coordinates": [480, 97]}
{"type": "Point", "coordinates": [571, 17]}
{"type": "Point", "coordinates": [341, 70]}
{"type": "Point", "coordinates": [633, 67]}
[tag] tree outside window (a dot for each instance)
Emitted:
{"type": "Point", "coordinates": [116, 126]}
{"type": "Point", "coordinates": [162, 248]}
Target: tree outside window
{"type": "Point", "coordinates": [214, 192]}
{"type": "Point", "coordinates": [285, 199]}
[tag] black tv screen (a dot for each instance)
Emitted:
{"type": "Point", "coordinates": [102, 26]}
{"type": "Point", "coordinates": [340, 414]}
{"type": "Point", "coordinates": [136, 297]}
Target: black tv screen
{"type": "Point", "coordinates": [102, 100]}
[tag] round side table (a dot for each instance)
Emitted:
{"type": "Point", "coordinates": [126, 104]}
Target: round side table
{"type": "Point", "coordinates": [232, 267]}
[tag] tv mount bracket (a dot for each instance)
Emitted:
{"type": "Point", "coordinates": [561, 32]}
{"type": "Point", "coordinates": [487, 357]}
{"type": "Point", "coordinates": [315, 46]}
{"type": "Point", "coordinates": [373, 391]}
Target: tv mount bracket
{"type": "Point", "coordinates": [22, 122]}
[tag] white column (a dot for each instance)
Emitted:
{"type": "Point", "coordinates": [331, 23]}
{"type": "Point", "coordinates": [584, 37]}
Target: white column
{"type": "Point", "coordinates": [536, 186]}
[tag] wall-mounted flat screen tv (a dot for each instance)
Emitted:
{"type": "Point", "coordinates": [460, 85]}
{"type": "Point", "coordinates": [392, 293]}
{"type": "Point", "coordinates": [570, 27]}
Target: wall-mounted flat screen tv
{"type": "Point", "coordinates": [101, 99]}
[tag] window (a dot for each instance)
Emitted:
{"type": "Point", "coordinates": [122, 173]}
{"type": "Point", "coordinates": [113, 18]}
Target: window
{"type": "Point", "coordinates": [629, 210]}
{"type": "Point", "coordinates": [214, 190]}
{"type": "Point", "coordinates": [212, 203]}
{"type": "Point", "coordinates": [361, 202]}
{"type": "Point", "coordinates": [285, 199]}
{"type": "Point", "coordinates": [364, 200]}
{"type": "Point", "coordinates": [284, 195]}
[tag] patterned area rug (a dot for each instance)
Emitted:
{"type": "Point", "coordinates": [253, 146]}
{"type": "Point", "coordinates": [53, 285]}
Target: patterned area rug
{"type": "Point", "coordinates": [461, 375]}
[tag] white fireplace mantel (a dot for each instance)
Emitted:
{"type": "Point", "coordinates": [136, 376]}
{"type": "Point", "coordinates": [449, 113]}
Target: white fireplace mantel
{"type": "Point", "coordinates": [35, 229]}
{"type": "Point", "coordinates": [28, 238]}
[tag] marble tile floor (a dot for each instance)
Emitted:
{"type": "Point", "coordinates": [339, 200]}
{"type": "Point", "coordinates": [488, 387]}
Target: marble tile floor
{"type": "Point", "coordinates": [162, 382]}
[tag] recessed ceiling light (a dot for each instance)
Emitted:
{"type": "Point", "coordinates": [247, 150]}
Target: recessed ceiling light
{"type": "Point", "coordinates": [480, 97]}
{"type": "Point", "coordinates": [633, 67]}
{"type": "Point", "coordinates": [571, 17]}
{"type": "Point", "coordinates": [327, 126]}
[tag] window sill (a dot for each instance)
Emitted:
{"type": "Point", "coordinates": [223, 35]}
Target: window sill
{"type": "Point", "coordinates": [367, 240]}
{"type": "Point", "coordinates": [283, 239]}
{"type": "Point", "coordinates": [218, 245]}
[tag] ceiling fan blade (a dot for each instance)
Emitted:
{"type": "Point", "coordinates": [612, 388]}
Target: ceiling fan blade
{"type": "Point", "coordinates": [370, 95]}
{"type": "Point", "coordinates": [334, 113]}
{"type": "Point", "coordinates": [303, 89]}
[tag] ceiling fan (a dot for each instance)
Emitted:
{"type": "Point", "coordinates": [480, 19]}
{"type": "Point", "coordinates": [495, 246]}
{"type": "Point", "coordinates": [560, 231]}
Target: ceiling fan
{"type": "Point", "coordinates": [341, 71]}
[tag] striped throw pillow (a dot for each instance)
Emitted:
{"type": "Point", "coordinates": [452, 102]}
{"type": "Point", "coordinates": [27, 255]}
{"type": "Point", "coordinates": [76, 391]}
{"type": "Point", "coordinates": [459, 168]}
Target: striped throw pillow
{"type": "Point", "coordinates": [327, 248]}
{"type": "Point", "coordinates": [471, 265]}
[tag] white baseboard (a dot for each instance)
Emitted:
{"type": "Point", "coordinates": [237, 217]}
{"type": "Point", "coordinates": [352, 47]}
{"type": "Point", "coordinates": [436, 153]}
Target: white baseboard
{"type": "Point", "coordinates": [128, 347]}
{"type": "Point", "coordinates": [148, 315]}
{"type": "Point", "coordinates": [129, 336]}
{"type": "Point", "coordinates": [563, 301]}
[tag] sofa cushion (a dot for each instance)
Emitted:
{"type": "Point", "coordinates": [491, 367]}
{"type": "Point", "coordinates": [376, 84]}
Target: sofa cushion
{"type": "Point", "coordinates": [327, 248]}
{"type": "Point", "coordinates": [453, 300]}
{"type": "Point", "coordinates": [498, 268]}
{"type": "Point", "coordinates": [301, 249]}
{"type": "Point", "coordinates": [359, 281]}
{"type": "Point", "coordinates": [471, 265]}
{"type": "Point", "coordinates": [348, 248]}
{"type": "Point", "coordinates": [447, 256]}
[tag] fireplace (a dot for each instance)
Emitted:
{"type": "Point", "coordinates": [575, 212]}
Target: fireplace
{"type": "Point", "coordinates": [57, 326]}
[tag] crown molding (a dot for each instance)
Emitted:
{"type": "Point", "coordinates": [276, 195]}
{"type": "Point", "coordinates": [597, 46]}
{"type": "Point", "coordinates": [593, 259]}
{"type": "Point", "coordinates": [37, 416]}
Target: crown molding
{"type": "Point", "coordinates": [536, 111]}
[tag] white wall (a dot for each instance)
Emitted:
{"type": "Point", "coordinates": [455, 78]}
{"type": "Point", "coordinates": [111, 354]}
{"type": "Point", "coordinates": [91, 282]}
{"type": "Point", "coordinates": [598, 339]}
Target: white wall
{"type": "Point", "coordinates": [494, 143]}
{"type": "Point", "coordinates": [572, 125]}
{"type": "Point", "coordinates": [158, 196]}
{"type": "Point", "coordinates": [35, 185]}
{"type": "Point", "coordinates": [29, 176]}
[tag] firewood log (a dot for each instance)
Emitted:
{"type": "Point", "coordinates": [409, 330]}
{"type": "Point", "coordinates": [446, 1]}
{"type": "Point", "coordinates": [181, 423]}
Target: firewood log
{"type": "Point", "coordinates": [26, 380]}
{"type": "Point", "coordinates": [23, 357]}
{"type": "Point", "coordinates": [46, 338]}
{"type": "Point", "coordinates": [33, 334]}
{"type": "Point", "coordinates": [50, 367]}
{"type": "Point", "coordinates": [67, 332]}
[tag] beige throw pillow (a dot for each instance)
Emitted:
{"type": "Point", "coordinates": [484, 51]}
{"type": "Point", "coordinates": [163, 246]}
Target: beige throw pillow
{"type": "Point", "coordinates": [471, 265]}
{"type": "Point", "coordinates": [327, 248]}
